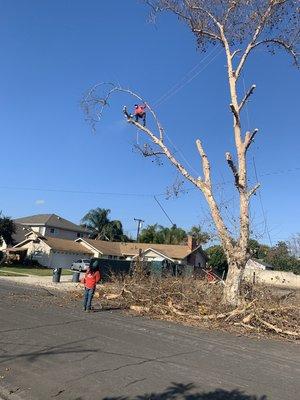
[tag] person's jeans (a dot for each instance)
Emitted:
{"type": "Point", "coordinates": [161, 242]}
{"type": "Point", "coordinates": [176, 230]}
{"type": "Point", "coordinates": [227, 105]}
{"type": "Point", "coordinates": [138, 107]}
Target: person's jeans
{"type": "Point", "coordinates": [142, 116]}
{"type": "Point", "coordinates": [88, 297]}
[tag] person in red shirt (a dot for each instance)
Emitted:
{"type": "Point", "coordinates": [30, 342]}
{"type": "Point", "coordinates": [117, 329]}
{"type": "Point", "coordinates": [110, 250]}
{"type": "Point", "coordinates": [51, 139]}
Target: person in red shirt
{"type": "Point", "coordinates": [90, 281]}
{"type": "Point", "coordinates": [139, 112]}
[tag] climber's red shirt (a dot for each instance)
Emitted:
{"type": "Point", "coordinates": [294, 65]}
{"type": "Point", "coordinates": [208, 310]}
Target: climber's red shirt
{"type": "Point", "coordinates": [140, 109]}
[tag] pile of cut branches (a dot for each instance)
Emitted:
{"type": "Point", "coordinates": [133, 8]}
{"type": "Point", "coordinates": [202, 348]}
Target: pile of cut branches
{"type": "Point", "coordinates": [199, 303]}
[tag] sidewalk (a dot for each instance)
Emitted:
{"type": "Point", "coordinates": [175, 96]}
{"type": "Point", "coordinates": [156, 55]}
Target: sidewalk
{"type": "Point", "coordinates": [44, 281]}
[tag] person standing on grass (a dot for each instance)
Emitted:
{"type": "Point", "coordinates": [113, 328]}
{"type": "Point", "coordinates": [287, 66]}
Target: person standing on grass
{"type": "Point", "coordinates": [90, 281]}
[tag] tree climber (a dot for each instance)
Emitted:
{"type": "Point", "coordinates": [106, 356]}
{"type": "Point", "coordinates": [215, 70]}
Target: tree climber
{"type": "Point", "coordinates": [139, 112]}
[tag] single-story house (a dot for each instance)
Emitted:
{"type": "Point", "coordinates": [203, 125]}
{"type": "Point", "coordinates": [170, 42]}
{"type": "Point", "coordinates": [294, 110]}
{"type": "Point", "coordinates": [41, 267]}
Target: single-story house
{"type": "Point", "coordinates": [188, 254]}
{"type": "Point", "coordinates": [56, 252]}
{"type": "Point", "coordinates": [51, 252]}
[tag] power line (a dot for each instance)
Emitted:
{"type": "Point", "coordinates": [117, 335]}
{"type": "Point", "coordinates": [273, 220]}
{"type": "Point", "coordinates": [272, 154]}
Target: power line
{"type": "Point", "coordinates": [164, 211]}
{"type": "Point", "coordinates": [178, 86]}
{"type": "Point", "coordinates": [261, 204]}
{"type": "Point", "coordinates": [73, 191]}
{"type": "Point", "coordinates": [181, 79]}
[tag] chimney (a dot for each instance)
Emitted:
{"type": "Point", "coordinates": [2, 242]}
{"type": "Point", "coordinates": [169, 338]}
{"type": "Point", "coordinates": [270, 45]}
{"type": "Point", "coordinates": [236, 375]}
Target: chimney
{"type": "Point", "coordinates": [191, 242]}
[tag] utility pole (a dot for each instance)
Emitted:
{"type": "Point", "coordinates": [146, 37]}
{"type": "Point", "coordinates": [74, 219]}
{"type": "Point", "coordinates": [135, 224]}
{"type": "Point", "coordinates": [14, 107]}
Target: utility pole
{"type": "Point", "coordinates": [140, 223]}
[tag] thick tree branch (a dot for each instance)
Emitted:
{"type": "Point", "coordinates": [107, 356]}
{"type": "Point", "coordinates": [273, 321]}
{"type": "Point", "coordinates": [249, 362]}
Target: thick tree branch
{"type": "Point", "coordinates": [255, 36]}
{"type": "Point", "coordinates": [246, 97]}
{"type": "Point", "coordinates": [205, 163]}
{"type": "Point", "coordinates": [156, 140]}
{"type": "Point", "coordinates": [93, 100]}
{"type": "Point", "coordinates": [204, 186]}
{"type": "Point", "coordinates": [249, 138]}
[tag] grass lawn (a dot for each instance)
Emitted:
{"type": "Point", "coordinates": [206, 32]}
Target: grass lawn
{"type": "Point", "coordinates": [19, 270]}
{"type": "Point", "coordinates": [5, 273]}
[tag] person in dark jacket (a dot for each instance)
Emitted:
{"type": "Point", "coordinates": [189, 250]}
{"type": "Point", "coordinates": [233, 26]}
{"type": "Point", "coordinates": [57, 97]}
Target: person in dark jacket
{"type": "Point", "coordinates": [90, 281]}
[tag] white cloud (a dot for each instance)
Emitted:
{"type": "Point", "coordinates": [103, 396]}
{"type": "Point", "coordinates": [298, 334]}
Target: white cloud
{"type": "Point", "coordinates": [39, 202]}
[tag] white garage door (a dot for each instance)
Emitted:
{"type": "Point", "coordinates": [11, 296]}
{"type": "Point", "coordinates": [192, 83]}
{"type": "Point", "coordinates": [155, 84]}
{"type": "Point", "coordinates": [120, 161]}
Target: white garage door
{"type": "Point", "coordinates": [64, 260]}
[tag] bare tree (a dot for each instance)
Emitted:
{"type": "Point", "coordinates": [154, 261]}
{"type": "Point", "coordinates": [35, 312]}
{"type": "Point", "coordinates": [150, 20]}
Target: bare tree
{"type": "Point", "coordinates": [239, 27]}
{"type": "Point", "coordinates": [294, 245]}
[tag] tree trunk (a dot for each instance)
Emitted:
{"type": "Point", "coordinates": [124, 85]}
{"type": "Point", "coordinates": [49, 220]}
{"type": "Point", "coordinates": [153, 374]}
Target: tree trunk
{"type": "Point", "coordinates": [232, 289]}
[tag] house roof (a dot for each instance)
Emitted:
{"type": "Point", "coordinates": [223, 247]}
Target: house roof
{"type": "Point", "coordinates": [177, 252]}
{"type": "Point", "coordinates": [50, 220]}
{"type": "Point", "coordinates": [57, 244]}
{"type": "Point", "coordinates": [66, 245]}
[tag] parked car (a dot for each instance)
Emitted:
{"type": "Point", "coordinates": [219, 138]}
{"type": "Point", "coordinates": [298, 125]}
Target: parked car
{"type": "Point", "coordinates": [80, 265]}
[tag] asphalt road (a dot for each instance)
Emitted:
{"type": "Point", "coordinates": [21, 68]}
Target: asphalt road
{"type": "Point", "coordinates": [50, 349]}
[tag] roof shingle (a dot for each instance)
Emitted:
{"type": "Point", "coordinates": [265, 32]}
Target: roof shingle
{"type": "Point", "coordinates": [177, 252]}
{"type": "Point", "coordinates": [65, 245]}
{"type": "Point", "coordinates": [50, 220]}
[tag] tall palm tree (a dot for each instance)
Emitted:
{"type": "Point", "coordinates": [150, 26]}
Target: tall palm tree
{"type": "Point", "coordinates": [101, 227]}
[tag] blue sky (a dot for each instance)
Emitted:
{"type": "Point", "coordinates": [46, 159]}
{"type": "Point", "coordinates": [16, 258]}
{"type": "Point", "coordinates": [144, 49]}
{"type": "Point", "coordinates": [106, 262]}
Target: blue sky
{"type": "Point", "coordinates": [52, 51]}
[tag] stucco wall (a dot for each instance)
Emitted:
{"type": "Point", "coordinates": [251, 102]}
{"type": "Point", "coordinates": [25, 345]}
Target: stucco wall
{"type": "Point", "coordinates": [58, 233]}
{"type": "Point", "coordinates": [273, 278]}
{"type": "Point", "coordinates": [49, 258]}
{"type": "Point", "coordinates": [61, 233]}
{"type": "Point", "coordinates": [196, 259]}
{"type": "Point", "coordinates": [38, 251]}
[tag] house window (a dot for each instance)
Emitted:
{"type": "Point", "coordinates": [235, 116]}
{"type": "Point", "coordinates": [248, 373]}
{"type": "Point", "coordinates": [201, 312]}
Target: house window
{"type": "Point", "coordinates": [79, 235]}
{"type": "Point", "coordinates": [52, 230]}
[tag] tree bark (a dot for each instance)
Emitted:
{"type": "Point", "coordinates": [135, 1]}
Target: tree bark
{"type": "Point", "coordinates": [231, 294]}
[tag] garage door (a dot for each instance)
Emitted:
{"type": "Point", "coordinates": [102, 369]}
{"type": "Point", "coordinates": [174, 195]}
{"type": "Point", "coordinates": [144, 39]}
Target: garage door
{"type": "Point", "coordinates": [64, 260]}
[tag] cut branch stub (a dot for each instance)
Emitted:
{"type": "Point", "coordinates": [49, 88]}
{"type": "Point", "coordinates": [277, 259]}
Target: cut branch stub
{"type": "Point", "coordinates": [249, 138]}
{"type": "Point", "coordinates": [235, 113]}
{"type": "Point", "coordinates": [234, 170]}
{"type": "Point", "coordinates": [205, 163]}
{"type": "Point", "coordinates": [246, 97]}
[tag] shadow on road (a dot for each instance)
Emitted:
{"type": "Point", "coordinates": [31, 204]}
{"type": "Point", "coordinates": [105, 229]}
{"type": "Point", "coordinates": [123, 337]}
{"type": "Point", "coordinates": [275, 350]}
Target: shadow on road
{"type": "Point", "coordinates": [180, 391]}
{"type": "Point", "coordinates": [74, 347]}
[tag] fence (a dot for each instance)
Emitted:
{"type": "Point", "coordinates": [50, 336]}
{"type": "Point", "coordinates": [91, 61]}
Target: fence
{"type": "Point", "coordinates": [280, 279]}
